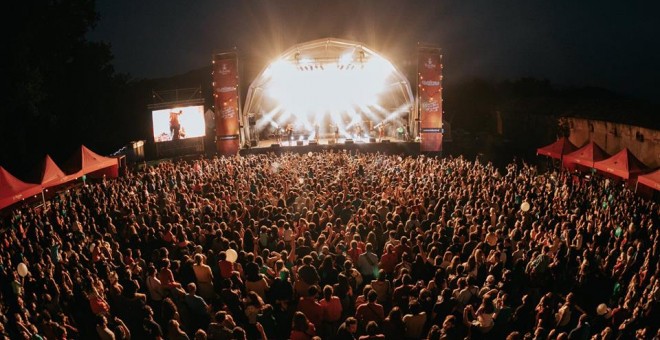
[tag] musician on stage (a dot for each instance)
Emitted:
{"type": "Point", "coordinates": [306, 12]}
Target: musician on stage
{"type": "Point", "coordinates": [289, 132]}
{"type": "Point", "coordinates": [278, 133]}
{"type": "Point", "coordinates": [381, 130]}
{"type": "Point", "coordinates": [399, 132]}
{"type": "Point", "coordinates": [358, 131]}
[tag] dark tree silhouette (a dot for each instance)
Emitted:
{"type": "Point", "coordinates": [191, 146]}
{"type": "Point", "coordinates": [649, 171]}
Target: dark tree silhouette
{"type": "Point", "coordinates": [59, 87]}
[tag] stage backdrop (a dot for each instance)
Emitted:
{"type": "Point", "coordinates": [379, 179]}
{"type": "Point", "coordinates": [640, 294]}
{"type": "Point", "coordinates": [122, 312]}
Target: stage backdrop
{"type": "Point", "coordinates": [226, 98]}
{"type": "Point", "coordinates": [429, 87]}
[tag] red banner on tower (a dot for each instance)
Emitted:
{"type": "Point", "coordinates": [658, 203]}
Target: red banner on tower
{"type": "Point", "coordinates": [226, 98]}
{"type": "Point", "coordinates": [429, 87]}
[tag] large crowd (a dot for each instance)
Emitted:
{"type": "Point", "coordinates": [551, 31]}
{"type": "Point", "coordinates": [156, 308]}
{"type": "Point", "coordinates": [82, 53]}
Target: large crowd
{"type": "Point", "coordinates": [334, 245]}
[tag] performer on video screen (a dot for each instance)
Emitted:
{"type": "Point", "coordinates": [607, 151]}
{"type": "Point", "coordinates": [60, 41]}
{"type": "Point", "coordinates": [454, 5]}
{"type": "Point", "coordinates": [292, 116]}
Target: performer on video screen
{"type": "Point", "coordinates": [175, 125]}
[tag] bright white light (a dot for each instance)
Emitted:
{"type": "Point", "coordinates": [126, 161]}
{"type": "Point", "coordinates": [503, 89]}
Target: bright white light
{"type": "Point", "coordinates": [346, 58]}
{"type": "Point", "coordinates": [308, 93]}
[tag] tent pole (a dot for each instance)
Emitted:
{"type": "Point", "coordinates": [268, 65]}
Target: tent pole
{"type": "Point", "coordinates": [43, 198]}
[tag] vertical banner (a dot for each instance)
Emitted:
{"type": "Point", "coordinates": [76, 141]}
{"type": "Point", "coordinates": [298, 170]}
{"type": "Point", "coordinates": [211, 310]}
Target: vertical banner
{"type": "Point", "coordinates": [429, 94]}
{"type": "Point", "coordinates": [226, 99]}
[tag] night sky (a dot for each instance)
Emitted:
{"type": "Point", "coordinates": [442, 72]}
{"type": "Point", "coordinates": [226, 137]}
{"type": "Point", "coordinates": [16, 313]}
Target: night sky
{"type": "Point", "coordinates": [610, 44]}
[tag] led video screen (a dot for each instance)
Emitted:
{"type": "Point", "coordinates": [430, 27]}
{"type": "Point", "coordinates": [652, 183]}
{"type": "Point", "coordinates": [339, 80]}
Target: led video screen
{"type": "Point", "coordinates": [178, 123]}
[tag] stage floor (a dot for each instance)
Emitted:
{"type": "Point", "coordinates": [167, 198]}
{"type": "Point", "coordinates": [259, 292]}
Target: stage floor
{"type": "Point", "coordinates": [389, 146]}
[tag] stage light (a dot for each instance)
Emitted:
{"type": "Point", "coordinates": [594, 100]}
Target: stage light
{"type": "Point", "coordinates": [306, 61]}
{"type": "Point", "coordinates": [308, 94]}
{"type": "Point", "coordinates": [346, 58]}
{"type": "Point", "coordinates": [306, 88]}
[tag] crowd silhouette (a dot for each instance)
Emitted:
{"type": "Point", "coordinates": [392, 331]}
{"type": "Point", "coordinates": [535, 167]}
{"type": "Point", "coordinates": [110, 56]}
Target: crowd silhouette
{"type": "Point", "coordinates": [334, 245]}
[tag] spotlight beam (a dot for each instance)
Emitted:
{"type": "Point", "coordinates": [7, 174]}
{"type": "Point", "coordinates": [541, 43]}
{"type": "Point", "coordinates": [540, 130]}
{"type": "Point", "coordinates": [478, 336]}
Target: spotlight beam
{"type": "Point", "coordinates": [328, 80]}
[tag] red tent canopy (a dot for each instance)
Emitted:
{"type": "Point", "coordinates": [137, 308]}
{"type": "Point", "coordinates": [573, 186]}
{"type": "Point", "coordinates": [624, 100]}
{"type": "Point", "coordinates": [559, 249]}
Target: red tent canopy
{"type": "Point", "coordinates": [13, 189]}
{"type": "Point", "coordinates": [557, 149]}
{"type": "Point", "coordinates": [52, 175]}
{"type": "Point", "coordinates": [651, 180]}
{"type": "Point", "coordinates": [86, 162]}
{"type": "Point", "coordinates": [624, 164]}
{"type": "Point", "coordinates": [586, 155]}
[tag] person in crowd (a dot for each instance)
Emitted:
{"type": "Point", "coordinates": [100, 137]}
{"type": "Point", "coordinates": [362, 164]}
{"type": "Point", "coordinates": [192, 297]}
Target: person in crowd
{"type": "Point", "coordinates": [371, 310]}
{"type": "Point", "coordinates": [372, 333]}
{"type": "Point", "coordinates": [382, 287]}
{"type": "Point", "coordinates": [348, 330]}
{"type": "Point", "coordinates": [367, 263]}
{"type": "Point", "coordinates": [197, 308]}
{"type": "Point", "coordinates": [204, 278]}
{"type": "Point", "coordinates": [393, 326]}
{"type": "Point", "coordinates": [448, 331]}
{"type": "Point", "coordinates": [175, 332]}
{"type": "Point", "coordinates": [255, 281]}
{"type": "Point", "coordinates": [151, 329]}
{"type": "Point", "coordinates": [332, 311]}
{"type": "Point", "coordinates": [222, 326]}
{"type": "Point", "coordinates": [415, 321]}
{"type": "Point", "coordinates": [582, 331]}
{"type": "Point", "coordinates": [104, 333]}
{"type": "Point", "coordinates": [302, 328]}
{"type": "Point", "coordinates": [312, 309]}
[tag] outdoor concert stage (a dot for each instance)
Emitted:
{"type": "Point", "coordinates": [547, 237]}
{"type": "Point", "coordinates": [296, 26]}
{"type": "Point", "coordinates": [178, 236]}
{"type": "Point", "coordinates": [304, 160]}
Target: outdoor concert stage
{"type": "Point", "coordinates": [389, 146]}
